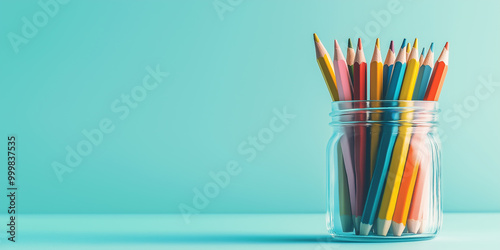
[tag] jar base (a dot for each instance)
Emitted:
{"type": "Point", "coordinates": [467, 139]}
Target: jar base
{"type": "Point", "coordinates": [376, 238]}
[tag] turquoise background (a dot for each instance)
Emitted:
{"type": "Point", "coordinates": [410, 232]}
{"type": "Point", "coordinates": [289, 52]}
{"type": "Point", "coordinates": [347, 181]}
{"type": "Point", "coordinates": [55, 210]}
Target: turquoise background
{"type": "Point", "coordinates": [226, 78]}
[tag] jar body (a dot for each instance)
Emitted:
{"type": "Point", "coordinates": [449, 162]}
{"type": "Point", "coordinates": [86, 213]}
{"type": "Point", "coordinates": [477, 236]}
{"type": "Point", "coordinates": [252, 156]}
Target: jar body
{"type": "Point", "coordinates": [383, 171]}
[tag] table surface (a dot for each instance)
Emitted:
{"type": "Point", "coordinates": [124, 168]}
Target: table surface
{"type": "Point", "coordinates": [233, 231]}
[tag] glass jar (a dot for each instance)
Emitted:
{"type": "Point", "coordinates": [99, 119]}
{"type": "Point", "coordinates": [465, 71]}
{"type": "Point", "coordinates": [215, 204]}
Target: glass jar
{"type": "Point", "coordinates": [383, 171]}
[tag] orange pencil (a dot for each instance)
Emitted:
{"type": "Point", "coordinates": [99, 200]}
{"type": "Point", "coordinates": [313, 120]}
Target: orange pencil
{"type": "Point", "coordinates": [438, 76]}
{"type": "Point", "coordinates": [421, 197]}
{"type": "Point", "coordinates": [407, 187]}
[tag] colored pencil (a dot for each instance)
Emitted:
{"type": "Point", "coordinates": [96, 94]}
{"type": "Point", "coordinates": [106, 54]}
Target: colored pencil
{"type": "Point", "coordinates": [407, 188]}
{"type": "Point", "coordinates": [424, 74]}
{"type": "Point", "coordinates": [426, 200]}
{"type": "Point", "coordinates": [325, 65]}
{"type": "Point", "coordinates": [408, 50]}
{"type": "Point", "coordinates": [418, 207]}
{"type": "Point", "coordinates": [421, 60]}
{"type": "Point", "coordinates": [398, 72]}
{"type": "Point", "coordinates": [438, 76]}
{"type": "Point", "coordinates": [376, 92]}
{"type": "Point", "coordinates": [376, 73]}
{"type": "Point", "coordinates": [411, 74]}
{"type": "Point", "coordinates": [343, 189]}
{"type": "Point", "coordinates": [433, 92]}
{"type": "Point", "coordinates": [350, 58]}
{"type": "Point", "coordinates": [343, 79]}
{"type": "Point", "coordinates": [360, 135]}
{"type": "Point", "coordinates": [398, 159]}
{"type": "Point", "coordinates": [388, 66]}
{"type": "Point", "coordinates": [344, 87]}
{"type": "Point", "coordinates": [386, 145]}
{"type": "Point", "coordinates": [359, 80]}
{"type": "Point", "coordinates": [412, 164]}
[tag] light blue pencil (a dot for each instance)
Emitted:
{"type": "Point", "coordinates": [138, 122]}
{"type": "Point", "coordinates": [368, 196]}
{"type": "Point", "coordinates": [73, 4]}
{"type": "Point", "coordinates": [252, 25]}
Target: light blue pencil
{"type": "Point", "coordinates": [387, 70]}
{"type": "Point", "coordinates": [424, 74]}
{"type": "Point", "coordinates": [421, 59]}
{"type": "Point", "coordinates": [387, 140]}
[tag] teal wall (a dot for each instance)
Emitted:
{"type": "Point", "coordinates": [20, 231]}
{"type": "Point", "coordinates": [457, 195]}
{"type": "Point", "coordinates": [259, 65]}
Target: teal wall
{"type": "Point", "coordinates": [221, 81]}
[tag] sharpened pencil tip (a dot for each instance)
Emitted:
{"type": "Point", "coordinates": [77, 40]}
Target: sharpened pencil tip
{"type": "Point", "coordinates": [349, 44]}
{"type": "Point", "coordinates": [377, 43]}
{"type": "Point", "coordinates": [360, 46]}
{"type": "Point", "coordinates": [316, 39]}
{"type": "Point", "coordinates": [336, 44]}
{"type": "Point", "coordinates": [423, 51]}
{"type": "Point", "coordinates": [364, 229]}
{"type": "Point", "coordinates": [415, 44]}
{"type": "Point", "coordinates": [404, 44]}
{"type": "Point", "coordinates": [408, 48]}
{"type": "Point", "coordinates": [432, 47]}
{"type": "Point", "coordinates": [391, 47]}
{"type": "Point", "coordinates": [446, 46]}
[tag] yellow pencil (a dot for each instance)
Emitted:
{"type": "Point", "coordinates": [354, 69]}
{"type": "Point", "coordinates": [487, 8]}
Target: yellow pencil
{"type": "Point", "coordinates": [326, 67]}
{"type": "Point", "coordinates": [411, 74]}
{"type": "Point", "coordinates": [401, 146]}
{"type": "Point", "coordinates": [376, 91]}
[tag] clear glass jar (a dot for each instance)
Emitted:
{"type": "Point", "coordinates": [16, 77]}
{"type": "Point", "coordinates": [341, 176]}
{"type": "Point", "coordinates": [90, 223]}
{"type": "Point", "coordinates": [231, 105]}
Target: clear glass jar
{"type": "Point", "coordinates": [383, 171]}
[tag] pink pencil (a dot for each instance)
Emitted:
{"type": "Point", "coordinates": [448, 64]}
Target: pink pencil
{"type": "Point", "coordinates": [344, 86]}
{"type": "Point", "coordinates": [420, 200]}
{"type": "Point", "coordinates": [344, 83]}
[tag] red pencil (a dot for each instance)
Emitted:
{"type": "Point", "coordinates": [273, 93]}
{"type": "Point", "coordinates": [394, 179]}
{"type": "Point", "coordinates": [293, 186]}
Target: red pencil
{"type": "Point", "coordinates": [362, 170]}
{"type": "Point", "coordinates": [359, 83]}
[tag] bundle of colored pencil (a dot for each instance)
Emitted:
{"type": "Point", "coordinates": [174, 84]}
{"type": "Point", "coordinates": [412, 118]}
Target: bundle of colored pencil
{"type": "Point", "coordinates": [383, 171]}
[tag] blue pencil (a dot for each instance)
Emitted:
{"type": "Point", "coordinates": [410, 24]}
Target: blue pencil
{"type": "Point", "coordinates": [424, 74]}
{"type": "Point", "coordinates": [387, 140]}
{"type": "Point", "coordinates": [387, 70]}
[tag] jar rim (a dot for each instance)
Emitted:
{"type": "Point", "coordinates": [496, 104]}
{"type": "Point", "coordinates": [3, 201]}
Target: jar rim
{"type": "Point", "coordinates": [431, 106]}
{"type": "Point", "coordinates": [395, 112]}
